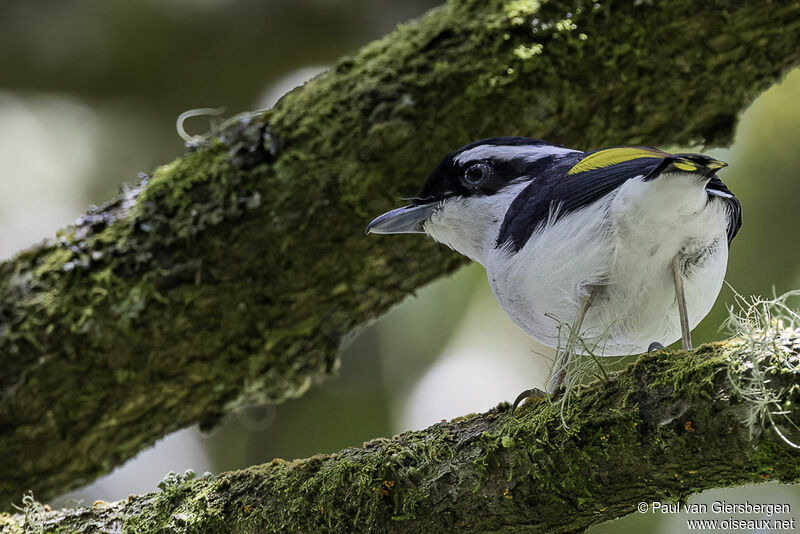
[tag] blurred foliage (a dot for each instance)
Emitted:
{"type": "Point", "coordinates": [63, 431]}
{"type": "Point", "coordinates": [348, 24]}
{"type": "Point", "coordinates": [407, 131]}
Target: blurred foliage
{"type": "Point", "coordinates": [149, 60]}
{"type": "Point", "coordinates": [138, 64]}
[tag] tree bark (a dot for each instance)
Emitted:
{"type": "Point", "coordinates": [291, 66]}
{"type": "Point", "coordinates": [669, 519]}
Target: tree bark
{"type": "Point", "coordinates": [670, 425]}
{"type": "Point", "coordinates": [230, 275]}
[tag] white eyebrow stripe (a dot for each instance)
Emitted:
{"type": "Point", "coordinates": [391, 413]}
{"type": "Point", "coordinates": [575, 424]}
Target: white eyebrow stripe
{"type": "Point", "coordinates": [528, 152]}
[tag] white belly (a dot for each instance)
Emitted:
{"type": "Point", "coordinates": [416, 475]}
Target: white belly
{"type": "Point", "coordinates": [623, 247]}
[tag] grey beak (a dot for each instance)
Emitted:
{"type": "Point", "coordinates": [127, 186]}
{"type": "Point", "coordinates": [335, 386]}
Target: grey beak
{"type": "Point", "coordinates": [406, 220]}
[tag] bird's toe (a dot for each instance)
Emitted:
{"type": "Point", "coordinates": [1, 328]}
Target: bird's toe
{"type": "Point", "coordinates": [533, 393]}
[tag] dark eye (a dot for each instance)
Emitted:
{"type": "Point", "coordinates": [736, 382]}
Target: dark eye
{"type": "Point", "coordinates": [476, 175]}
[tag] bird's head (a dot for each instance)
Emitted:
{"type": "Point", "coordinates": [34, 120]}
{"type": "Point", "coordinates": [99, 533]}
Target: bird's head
{"type": "Point", "coordinates": [465, 198]}
{"type": "Point", "coordinates": [474, 200]}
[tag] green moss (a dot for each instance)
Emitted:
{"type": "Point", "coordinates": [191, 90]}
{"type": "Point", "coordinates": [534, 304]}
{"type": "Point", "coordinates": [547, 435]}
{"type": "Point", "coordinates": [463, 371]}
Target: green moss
{"type": "Point", "coordinates": [517, 11]}
{"type": "Point", "coordinates": [9, 525]}
{"type": "Point", "coordinates": [527, 52]}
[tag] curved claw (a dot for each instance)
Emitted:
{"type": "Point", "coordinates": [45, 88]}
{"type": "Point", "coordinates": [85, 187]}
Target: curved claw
{"type": "Point", "coordinates": [654, 346]}
{"type": "Point", "coordinates": [533, 393]}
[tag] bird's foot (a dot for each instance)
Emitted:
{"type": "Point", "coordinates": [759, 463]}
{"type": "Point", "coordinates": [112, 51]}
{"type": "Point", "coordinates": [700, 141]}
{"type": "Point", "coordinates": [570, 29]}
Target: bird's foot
{"type": "Point", "coordinates": [654, 346]}
{"type": "Point", "coordinates": [533, 393]}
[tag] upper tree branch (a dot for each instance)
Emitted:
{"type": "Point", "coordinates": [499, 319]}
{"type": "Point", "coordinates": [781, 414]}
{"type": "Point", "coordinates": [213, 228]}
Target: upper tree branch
{"type": "Point", "coordinates": [235, 270]}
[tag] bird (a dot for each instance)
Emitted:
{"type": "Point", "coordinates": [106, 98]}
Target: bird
{"type": "Point", "coordinates": [627, 244]}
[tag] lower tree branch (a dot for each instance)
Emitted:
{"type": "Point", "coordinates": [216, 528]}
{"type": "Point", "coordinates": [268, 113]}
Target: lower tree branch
{"type": "Point", "coordinates": [672, 424]}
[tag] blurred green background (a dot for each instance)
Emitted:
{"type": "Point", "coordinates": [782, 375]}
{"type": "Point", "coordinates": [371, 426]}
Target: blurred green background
{"type": "Point", "coordinates": [89, 93]}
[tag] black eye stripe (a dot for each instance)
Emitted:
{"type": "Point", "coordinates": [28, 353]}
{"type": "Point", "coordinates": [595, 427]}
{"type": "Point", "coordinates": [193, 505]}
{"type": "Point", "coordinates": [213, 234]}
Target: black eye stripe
{"type": "Point", "coordinates": [510, 159]}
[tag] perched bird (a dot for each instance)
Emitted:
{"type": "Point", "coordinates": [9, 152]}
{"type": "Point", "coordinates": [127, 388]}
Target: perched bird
{"type": "Point", "coordinates": [628, 244]}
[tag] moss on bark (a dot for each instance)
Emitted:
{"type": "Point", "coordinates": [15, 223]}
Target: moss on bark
{"type": "Point", "coordinates": [231, 274]}
{"type": "Point", "coordinates": [669, 426]}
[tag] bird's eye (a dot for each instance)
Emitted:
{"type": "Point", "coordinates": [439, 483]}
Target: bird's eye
{"type": "Point", "coordinates": [476, 175]}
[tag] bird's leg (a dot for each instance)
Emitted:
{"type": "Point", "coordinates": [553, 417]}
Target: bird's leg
{"type": "Point", "coordinates": [562, 361]}
{"type": "Point", "coordinates": [686, 333]}
{"type": "Point", "coordinates": [561, 364]}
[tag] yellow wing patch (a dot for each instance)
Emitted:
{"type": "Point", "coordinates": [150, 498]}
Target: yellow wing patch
{"type": "Point", "coordinates": [612, 156]}
{"type": "Point", "coordinates": [685, 165]}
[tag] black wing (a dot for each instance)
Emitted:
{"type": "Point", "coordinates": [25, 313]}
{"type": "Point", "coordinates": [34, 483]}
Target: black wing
{"type": "Point", "coordinates": [716, 188]}
{"type": "Point", "coordinates": [556, 191]}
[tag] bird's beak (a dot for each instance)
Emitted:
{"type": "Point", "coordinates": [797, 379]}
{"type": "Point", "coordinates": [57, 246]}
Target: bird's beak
{"type": "Point", "coordinates": [405, 220]}
{"type": "Point", "coordinates": [712, 166]}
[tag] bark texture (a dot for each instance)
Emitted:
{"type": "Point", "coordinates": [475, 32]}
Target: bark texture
{"type": "Point", "coordinates": [230, 275]}
{"type": "Point", "coordinates": [670, 425]}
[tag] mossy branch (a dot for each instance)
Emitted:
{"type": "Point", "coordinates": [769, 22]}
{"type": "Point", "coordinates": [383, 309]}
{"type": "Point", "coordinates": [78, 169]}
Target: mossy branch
{"type": "Point", "coordinates": [230, 275]}
{"type": "Point", "coordinates": [670, 425]}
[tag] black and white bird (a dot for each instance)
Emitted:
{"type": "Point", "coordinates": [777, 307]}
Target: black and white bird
{"type": "Point", "coordinates": [628, 243]}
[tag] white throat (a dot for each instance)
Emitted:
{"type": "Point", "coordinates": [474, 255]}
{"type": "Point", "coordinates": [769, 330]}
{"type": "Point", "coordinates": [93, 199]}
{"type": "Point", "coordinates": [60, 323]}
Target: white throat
{"type": "Point", "coordinates": [470, 225]}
